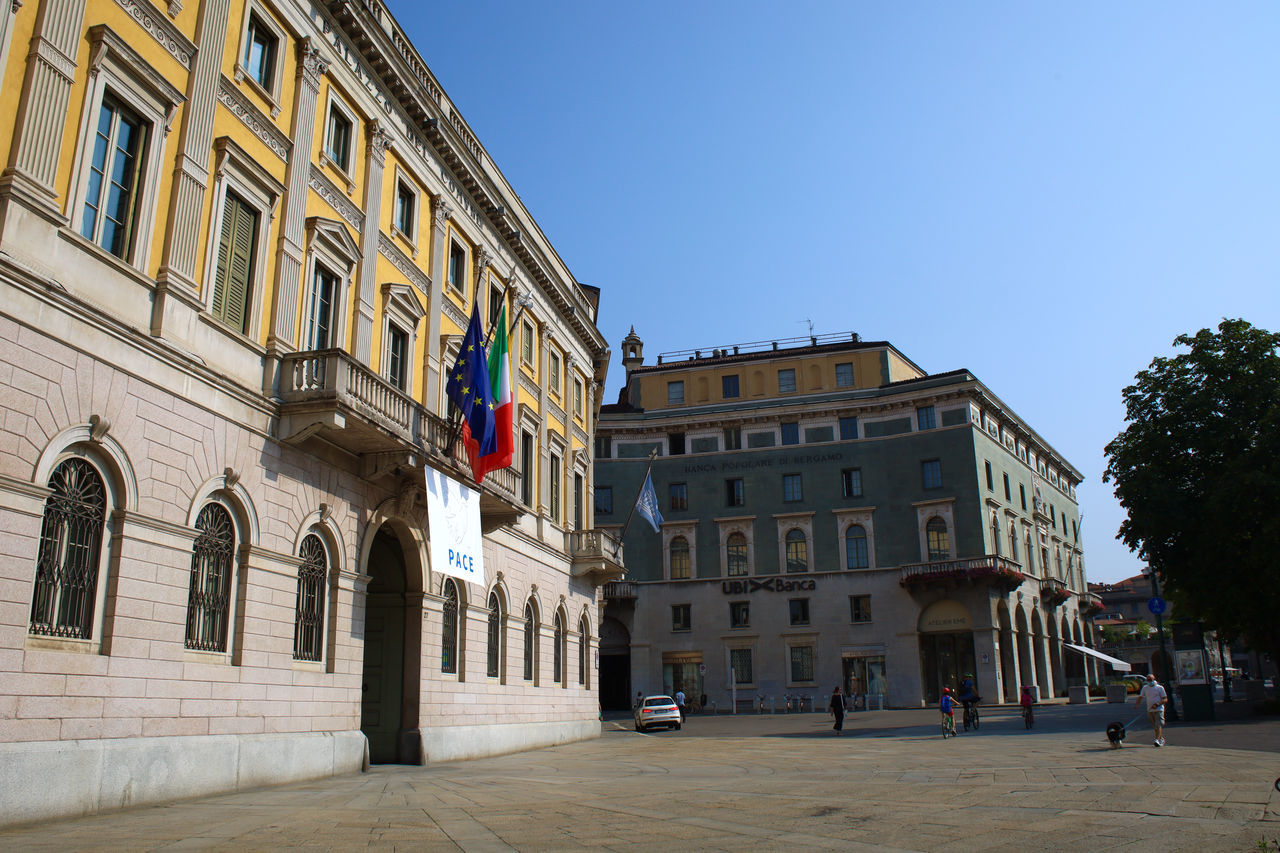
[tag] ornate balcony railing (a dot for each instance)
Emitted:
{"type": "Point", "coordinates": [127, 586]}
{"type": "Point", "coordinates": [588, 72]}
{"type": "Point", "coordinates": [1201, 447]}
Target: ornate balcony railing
{"type": "Point", "coordinates": [990, 568]}
{"type": "Point", "coordinates": [1053, 592]}
{"type": "Point", "coordinates": [595, 552]}
{"type": "Point", "coordinates": [620, 591]}
{"type": "Point", "coordinates": [322, 388]}
{"type": "Point", "coordinates": [1090, 604]}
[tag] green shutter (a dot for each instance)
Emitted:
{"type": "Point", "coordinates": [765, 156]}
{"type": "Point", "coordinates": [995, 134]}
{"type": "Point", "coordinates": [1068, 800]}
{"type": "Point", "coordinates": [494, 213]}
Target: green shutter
{"type": "Point", "coordinates": [235, 263]}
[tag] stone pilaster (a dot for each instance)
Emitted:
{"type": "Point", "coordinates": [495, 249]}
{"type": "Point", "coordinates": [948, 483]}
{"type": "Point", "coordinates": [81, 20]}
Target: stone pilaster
{"type": "Point", "coordinates": [440, 213]}
{"type": "Point", "coordinates": [312, 66]}
{"type": "Point", "coordinates": [43, 105]}
{"type": "Point", "coordinates": [379, 141]}
{"type": "Point", "coordinates": [191, 177]}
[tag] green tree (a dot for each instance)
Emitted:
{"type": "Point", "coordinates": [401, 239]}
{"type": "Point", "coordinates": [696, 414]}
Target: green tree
{"type": "Point", "coordinates": [1198, 471]}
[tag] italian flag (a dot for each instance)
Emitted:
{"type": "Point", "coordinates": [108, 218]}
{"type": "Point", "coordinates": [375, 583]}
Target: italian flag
{"type": "Point", "coordinates": [504, 405]}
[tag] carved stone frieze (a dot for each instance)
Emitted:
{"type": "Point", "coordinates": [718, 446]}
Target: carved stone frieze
{"type": "Point", "coordinates": [454, 313]}
{"type": "Point", "coordinates": [329, 191]}
{"type": "Point", "coordinates": [403, 262]}
{"type": "Point", "coordinates": [530, 386]}
{"type": "Point", "coordinates": [230, 96]}
{"type": "Point", "coordinates": [170, 37]}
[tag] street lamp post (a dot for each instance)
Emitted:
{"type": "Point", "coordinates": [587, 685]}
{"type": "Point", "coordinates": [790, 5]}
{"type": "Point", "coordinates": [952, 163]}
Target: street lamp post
{"type": "Point", "coordinates": [1164, 655]}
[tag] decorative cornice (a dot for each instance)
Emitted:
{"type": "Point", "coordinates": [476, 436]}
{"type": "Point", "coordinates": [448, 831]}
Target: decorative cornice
{"type": "Point", "coordinates": [403, 262]}
{"type": "Point", "coordinates": [581, 434]}
{"type": "Point", "coordinates": [170, 37]}
{"type": "Point", "coordinates": [337, 199]}
{"type": "Point", "coordinates": [529, 385]}
{"type": "Point", "coordinates": [455, 313]}
{"type": "Point", "coordinates": [230, 96]}
{"type": "Point", "coordinates": [557, 411]}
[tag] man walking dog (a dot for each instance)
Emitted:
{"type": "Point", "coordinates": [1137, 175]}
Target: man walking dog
{"type": "Point", "coordinates": [1156, 698]}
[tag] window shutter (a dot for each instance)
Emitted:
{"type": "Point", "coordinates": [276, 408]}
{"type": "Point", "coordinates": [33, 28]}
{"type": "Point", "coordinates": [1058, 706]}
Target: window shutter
{"type": "Point", "coordinates": [235, 263]}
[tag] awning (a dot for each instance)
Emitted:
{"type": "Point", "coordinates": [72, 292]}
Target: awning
{"type": "Point", "coordinates": [1116, 663]}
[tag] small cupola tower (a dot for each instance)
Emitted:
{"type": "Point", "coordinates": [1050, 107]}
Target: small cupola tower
{"type": "Point", "coordinates": [632, 352]}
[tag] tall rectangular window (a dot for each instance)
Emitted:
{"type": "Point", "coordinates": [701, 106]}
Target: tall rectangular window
{"type": "Point", "coordinates": [787, 381]}
{"type": "Point", "coordinates": [237, 249]}
{"type": "Point", "coordinates": [579, 500]}
{"type": "Point", "coordinates": [1022, 493]}
{"type": "Point", "coordinates": [553, 371]}
{"type": "Point", "coordinates": [799, 611]}
{"type": "Point", "coordinates": [604, 447]}
{"type": "Point", "coordinates": [675, 393]}
{"type": "Point", "coordinates": [406, 202]}
{"type": "Point", "coordinates": [526, 344]}
{"type": "Point", "coordinates": [604, 500]}
{"type": "Point", "coordinates": [527, 468]}
{"type": "Point", "coordinates": [931, 473]}
{"type": "Point", "coordinates": [397, 356]}
{"type": "Point", "coordinates": [260, 50]}
{"type": "Point", "coordinates": [844, 375]}
{"type": "Point", "coordinates": [791, 433]}
{"type": "Point", "coordinates": [925, 418]}
{"type": "Point", "coordinates": [848, 429]}
{"type": "Point", "coordinates": [554, 489]}
{"type": "Point", "coordinates": [1007, 495]}
{"type": "Point", "coordinates": [457, 267]}
{"type": "Point", "coordinates": [740, 664]}
{"type": "Point", "coordinates": [991, 483]}
{"type": "Point", "coordinates": [739, 614]}
{"type": "Point", "coordinates": [675, 444]}
{"type": "Point", "coordinates": [733, 438]}
{"type": "Point", "coordinates": [679, 496]}
{"type": "Point", "coordinates": [729, 386]}
{"type": "Point", "coordinates": [734, 493]}
{"type": "Point", "coordinates": [577, 397]}
{"type": "Point", "coordinates": [802, 663]}
{"type": "Point", "coordinates": [110, 206]}
{"type": "Point", "coordinates": [792, 488]}
{"type": "Point", "coordinates": [859, 608]}
{"type": "Point", "coordinates": [338, 139]}
{"type": "Point", "coordinates": [681, 617]}
{"type": "Point", "coordinates": [324, 291]}
{"type": "Point", "coordinates": [851, 482]}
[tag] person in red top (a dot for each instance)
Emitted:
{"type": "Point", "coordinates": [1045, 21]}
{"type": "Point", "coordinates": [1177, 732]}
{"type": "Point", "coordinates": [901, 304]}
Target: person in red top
{"type": "Point", "coordinates": [1027, 700]}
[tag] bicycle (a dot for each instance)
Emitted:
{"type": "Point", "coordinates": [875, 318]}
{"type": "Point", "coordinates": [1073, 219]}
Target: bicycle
{"type": "Point", "coordinates": [1028, 716]}
{"type": "Point", "coordinates": [948, 726]}
{"type": "Point", "coordinates": [971, 719]}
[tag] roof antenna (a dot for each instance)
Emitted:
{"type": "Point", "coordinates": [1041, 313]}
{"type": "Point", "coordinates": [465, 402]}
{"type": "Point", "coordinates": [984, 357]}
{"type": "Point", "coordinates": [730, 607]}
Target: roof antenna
{"type": "Point", "coordinates": [812, 340]}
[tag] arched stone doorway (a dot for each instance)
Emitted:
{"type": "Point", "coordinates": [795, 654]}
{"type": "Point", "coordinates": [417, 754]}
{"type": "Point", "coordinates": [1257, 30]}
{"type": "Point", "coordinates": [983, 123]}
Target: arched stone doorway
{"type": "Point", "coordinates": [391, 674]}
{"type": "Point", "coordinates": [1038, 655]}
{"type": "Point", "coordinates": [946, 647]}
{"type": "Point", "coordinates": [615, 665]}
{"type": "Point", "coordinates": [1026, 669]}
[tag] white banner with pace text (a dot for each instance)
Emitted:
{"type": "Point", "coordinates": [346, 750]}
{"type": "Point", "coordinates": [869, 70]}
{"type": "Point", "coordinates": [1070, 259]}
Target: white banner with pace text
{"type": "Point", "coordinates": [453, 511]}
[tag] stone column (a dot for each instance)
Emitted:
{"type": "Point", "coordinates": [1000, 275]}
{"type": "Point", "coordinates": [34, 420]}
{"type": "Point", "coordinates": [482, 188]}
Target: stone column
{"type": "Point", "coordinates": [375, 160]}
{"type": "Point", "coordinates": [440, 213]}
{"type": "Point", "coordinates": [42, 106]}
{"type": "Point", "coordinates": [312, 66]}
{"type": "Point", "coordinates": [195, 143]}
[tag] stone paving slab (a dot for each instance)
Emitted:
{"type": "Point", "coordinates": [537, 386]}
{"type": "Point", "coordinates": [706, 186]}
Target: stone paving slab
{"type": "Point", "coordinates": [760, 783]}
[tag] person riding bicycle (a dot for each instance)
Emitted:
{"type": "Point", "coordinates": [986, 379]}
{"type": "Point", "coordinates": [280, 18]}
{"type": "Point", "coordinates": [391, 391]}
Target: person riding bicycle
{"type": "Point", "coordinates": [968, 694]}
{"type": "Point", "coordinates": [1027, 700]}
{"type": "Point", "coordinates": [947, 706]}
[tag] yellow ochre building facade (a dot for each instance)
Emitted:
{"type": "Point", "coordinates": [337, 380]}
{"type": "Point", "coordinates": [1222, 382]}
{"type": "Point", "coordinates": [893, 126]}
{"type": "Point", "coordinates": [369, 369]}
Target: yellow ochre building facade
{"type": "Point", "coordinates": [240, 241]}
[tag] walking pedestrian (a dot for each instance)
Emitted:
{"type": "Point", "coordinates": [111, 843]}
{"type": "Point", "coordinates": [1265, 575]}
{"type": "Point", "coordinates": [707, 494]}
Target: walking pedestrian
{"type": "Point", "coordinates": [1154, 695]}
{"type": "Point", "coordinates": [837, 708]}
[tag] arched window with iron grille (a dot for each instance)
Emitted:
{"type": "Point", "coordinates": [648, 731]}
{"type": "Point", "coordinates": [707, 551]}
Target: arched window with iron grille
{"type": "Point", "coordinates": [209, 595]}
{"type": "Point", "coordinates": [449, 631]}
{"type": "Point", "coordinates": [495, 636]}
{"type": "Point", "coordinates": [308, 618]}
{"type": "Point", "coordinates": [66, 586]}
{"type": "Point", "coordinates": [530, 642]}
{"type": "Point", "coordinates": [557, 665]}
{"type": "Point", "coordinates": [584, 639]}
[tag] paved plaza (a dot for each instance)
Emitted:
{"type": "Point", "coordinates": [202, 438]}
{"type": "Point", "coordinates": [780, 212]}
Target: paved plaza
{"type": "Point", "coordinates": [765, 783]}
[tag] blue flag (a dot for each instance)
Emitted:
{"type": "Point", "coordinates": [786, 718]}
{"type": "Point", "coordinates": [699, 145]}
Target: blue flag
{"type": "Point", "coordinates": [647, 503]}
{"type": "Point", "coordinates": [468, 387]}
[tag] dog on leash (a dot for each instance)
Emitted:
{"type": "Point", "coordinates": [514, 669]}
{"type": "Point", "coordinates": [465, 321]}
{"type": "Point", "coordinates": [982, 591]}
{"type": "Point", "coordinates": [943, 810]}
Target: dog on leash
{"type": "Point", "coordinates": [1115, 735]}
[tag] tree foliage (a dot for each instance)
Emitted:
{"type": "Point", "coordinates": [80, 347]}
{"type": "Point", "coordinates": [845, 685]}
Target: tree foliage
{"type": "Point", "coordinates": [1198, 471]}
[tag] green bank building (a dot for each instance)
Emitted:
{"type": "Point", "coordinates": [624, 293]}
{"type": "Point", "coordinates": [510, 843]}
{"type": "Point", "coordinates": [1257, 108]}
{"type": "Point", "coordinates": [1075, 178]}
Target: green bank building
{"type": "Point", "coordinates": [833, 515]}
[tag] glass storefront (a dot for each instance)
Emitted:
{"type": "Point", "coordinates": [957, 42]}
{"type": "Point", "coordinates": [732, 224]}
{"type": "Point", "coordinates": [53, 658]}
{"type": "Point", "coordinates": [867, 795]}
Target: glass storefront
{"type": "Point", "coordinates": [864, 679]}
{"type": "Point", "coordinates": [680, 671]}
{"type": "Point", "coordinates": [944, 661]}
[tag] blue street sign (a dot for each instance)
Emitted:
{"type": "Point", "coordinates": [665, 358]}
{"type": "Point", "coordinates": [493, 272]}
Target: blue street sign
{"type": "Point", "coordinates": [1157, 605]}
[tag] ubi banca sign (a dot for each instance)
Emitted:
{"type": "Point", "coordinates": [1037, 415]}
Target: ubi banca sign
{"type": "Point", "coordinates": [770, 585]}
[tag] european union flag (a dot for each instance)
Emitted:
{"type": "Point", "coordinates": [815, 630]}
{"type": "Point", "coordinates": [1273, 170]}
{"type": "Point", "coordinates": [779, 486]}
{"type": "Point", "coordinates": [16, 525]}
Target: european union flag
{"type": "Point", "coordinates": [468, 387]}
{"type": "Point", "coordinates": [647, 503]}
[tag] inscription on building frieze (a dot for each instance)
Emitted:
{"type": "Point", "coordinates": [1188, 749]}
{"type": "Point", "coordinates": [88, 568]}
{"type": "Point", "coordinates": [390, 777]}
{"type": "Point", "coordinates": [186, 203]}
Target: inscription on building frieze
{"type": "Point", "coordinates": [746, 465]}
{"type": "Point", "coordinates": [750, 585]}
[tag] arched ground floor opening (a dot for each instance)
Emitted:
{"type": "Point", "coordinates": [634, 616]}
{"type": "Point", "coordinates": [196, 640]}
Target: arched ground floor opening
{"type": "Point", "coordinates": [391, 671]}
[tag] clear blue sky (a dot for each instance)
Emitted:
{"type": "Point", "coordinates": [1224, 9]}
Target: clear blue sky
{"type": "Point", "coordinates": [1045, 194]}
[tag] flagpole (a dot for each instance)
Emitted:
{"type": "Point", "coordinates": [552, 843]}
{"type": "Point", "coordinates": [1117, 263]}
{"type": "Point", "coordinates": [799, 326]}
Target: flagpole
{"type": "Point", "coordinates": [653, 455]}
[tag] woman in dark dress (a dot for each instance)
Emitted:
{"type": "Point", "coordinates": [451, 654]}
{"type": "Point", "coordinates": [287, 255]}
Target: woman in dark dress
{"type": "Point", "coordinates": [837, 707]}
